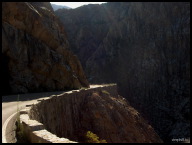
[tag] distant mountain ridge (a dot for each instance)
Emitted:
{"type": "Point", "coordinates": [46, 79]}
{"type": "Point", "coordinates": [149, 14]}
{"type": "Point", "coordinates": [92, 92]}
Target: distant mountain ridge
{"type": "Point", "coordinates": [56, 7]}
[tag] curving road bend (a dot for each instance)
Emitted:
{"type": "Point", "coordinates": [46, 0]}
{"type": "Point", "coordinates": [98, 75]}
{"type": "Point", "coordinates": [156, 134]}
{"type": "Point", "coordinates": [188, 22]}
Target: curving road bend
{"type": "Point", "coordinates": [10, 105]}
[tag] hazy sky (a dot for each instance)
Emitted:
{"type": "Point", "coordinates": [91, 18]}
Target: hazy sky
{"type": "Point", "coordinates": [75, 4]}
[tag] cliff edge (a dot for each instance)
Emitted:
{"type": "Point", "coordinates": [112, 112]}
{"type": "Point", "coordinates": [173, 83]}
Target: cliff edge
{"type": "Point", "coordinates": [97, 109]}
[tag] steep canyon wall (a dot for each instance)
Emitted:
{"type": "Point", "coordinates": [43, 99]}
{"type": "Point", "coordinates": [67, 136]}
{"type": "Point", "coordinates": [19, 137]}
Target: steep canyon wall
{"type": "Point", "coordinates": [145, 49]}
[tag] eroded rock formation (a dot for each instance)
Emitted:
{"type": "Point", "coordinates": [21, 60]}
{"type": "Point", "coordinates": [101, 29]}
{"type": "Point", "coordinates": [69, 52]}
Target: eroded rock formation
{"type": "Point", "coordinates": [100, 110]}
{"type": "Point", "coordinates": [35, 51]}
{"type": "Point", "coordinates": [145, 49]}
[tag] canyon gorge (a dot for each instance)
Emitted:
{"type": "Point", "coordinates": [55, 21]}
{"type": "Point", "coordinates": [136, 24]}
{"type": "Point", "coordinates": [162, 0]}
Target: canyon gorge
{"type": "Point", "coordinates": [143, 47]}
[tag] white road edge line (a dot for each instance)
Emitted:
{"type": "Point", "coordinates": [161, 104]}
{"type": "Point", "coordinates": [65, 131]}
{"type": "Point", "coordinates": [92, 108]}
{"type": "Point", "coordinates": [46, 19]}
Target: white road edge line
{"type": "Point", "coordinates": [4, 140]}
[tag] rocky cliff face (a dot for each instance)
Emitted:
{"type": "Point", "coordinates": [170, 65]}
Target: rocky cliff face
{"type": "Point", "coordinates": [35, 51]}
{"type": "Point", "coordinates": [97, 110]}
{"type": "Point", "coordinates": [145, 48]}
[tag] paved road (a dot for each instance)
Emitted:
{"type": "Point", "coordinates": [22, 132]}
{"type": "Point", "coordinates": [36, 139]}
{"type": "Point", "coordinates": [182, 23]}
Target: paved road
{"type": "Point", "coordinates": [10, 105]}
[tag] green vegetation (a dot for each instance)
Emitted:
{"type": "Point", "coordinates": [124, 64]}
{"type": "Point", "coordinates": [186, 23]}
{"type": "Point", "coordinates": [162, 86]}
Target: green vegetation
{"type": "Point", "coordinates": [93, 138]}
{"type": "Point", "coordinates": [105, 92]}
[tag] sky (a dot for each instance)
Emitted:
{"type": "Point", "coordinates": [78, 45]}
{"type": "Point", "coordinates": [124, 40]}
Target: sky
{"type": "Point", "coordinates": [75, 4]}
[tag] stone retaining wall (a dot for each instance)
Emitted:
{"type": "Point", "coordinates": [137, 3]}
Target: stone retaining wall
{"type": "Point", "coordinates": [56, 115]}
{"type": "Point", "coordinates": [35, 131]}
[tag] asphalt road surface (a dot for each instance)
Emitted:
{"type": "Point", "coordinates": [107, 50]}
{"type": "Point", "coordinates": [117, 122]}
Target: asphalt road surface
{"type": "Point", "coordinates": [11, 104]}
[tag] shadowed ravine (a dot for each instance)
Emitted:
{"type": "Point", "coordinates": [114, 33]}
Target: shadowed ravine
{"type": "Point", "coordinates": [145, 48]}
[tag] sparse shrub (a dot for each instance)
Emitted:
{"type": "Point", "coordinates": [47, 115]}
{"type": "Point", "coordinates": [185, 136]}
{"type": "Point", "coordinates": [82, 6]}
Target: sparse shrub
{"type": "Point", "coordinates": [93, 138]}
{"type": "Point", "coordinates": [105, 92]}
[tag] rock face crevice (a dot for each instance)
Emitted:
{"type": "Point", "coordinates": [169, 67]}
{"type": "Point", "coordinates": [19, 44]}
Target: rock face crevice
{"type": "Point", "coordinates": [99, 110]}
{"type": "Point", "coordinates": [145, 49]}
{"type": "Point", "coordinates": [35, 51]}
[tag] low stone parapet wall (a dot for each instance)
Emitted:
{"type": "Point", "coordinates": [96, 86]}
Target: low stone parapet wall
{"type": "Point", "coordinates": [35, 131]}
{"type": "Point", "coordinates": [45, 111]}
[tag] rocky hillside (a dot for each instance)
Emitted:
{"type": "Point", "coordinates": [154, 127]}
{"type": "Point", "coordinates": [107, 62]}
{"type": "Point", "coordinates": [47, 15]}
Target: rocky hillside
{"type": "Point", "coordinates": [102, 112]}
{"type": "Point", "coordinates": [35, 51]}
{"type": "Point", "coordinates": [145, 49]}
